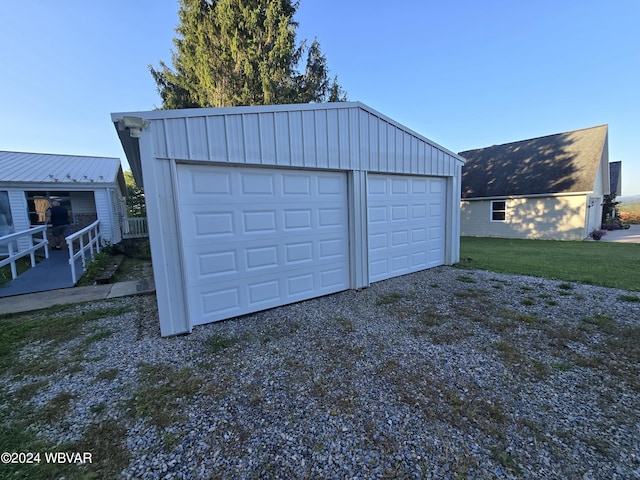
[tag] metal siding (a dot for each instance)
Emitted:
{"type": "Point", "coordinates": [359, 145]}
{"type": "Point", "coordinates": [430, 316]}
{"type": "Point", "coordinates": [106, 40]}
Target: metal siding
{"type": "Point", "coordinates": [364, 141]}
{"type": "Point", "coordinates": [295, 139]}
{"type": "Point", "coordinates": [251, 137]}
{"type": "Point", "coordinates": [176, 137]}
{"type": "Point", "coordinates": [159, 139]}
{"type": "Point", "coordinates": [235, 140]}
{"type": "Point", "coordinates": [344, 138]}
{"type": "Point", "coordinates": [309, 156]}
{"type": "Point", "coordinates": [353, 160]}
{"type": "Point", "coordinates": [165, 246]}
{"type": "Point", "coordinates": [322, 139]}
{"type": "Point", "coordinates": [358, 228]}
{"type": "Point", "coordinates": [198, 139]}
{"type": "Point", "coordinates": [398, 142]}
{"type": "Point", "coordinates": [283, 146]}
{"type": "Point", "coordinates": [217, 138]}
{"type": "Point", "coordinates": [422, 158]}
{"type": "Point", "coordinates": [372, 158]}
{"type": "Point", "coordinates": [334, 138]}
{"type": "Point", "coordinates": [267, 137]}
{"type": "Point", "coordinates": [383, 142]}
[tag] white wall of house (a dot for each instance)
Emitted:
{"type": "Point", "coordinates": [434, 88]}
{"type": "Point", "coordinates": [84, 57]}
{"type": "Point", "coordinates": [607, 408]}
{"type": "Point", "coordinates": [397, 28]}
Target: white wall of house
{"type": "Point", "coordinates": [83, 203]}
{"type": "Point", "coordinates": [543, 217]}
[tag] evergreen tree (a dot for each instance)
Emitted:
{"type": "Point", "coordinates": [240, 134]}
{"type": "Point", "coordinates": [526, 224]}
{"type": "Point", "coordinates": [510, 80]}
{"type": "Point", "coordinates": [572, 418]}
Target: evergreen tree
{"type": "Point", "coordinates": [242, 52]}
{"type": "Point", "coordinates": [135, 197]}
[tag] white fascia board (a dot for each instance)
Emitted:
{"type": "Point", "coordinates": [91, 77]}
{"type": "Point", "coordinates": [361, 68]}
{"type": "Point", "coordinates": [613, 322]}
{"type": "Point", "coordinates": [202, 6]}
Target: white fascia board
{"type": "Point", "coordinates": [537, 195]}
{"type": "Point", "coordinates": [75, 187]}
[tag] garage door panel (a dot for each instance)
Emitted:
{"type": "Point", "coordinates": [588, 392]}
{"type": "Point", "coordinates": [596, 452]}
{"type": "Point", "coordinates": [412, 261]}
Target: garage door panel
{"type": "Point", "coordinates": [258, 184]}
{"type": "Point", "coordinates": [406, 224]}
{"type": "Point", "coordinates": [330, 186]}
{"type": "Point", "coordinates": [297, 219]}
{"type": "Point", "coordinates": [280, 236]}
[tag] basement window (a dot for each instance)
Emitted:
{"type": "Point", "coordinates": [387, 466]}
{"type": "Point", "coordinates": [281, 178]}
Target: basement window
{"type": "Point", "coordinates": [499, 211]}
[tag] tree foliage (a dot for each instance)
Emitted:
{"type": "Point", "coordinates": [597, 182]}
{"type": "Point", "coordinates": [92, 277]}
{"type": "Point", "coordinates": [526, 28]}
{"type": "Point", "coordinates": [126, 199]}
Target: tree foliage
{"type": "Point", "coordinates": [242, 52]}
{"type": "Point", "coordinates": [135, 197]}
{"type": "Point", "coordinates": [609, 205]}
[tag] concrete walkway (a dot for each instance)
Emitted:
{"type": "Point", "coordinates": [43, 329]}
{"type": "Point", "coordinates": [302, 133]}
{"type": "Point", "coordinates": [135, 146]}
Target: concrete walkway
{"type": "Point", "coordinates": [630, 235]}
{"type": "Point", "coordinates": [36, 301]}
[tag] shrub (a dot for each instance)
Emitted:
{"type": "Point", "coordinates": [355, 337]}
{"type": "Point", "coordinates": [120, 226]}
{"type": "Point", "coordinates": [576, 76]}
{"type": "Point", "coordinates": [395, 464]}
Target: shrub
{"type": "Point", "coordinates": [630, 217]}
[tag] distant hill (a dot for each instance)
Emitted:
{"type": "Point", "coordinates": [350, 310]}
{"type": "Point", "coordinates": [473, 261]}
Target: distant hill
{"type": "Point", "coordinates": [629, 200]}
{"type": "Point", "coordinates": [629, 208]}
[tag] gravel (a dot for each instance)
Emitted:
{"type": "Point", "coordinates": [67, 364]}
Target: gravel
{"type": "Point", "coordinates": [445, 373]}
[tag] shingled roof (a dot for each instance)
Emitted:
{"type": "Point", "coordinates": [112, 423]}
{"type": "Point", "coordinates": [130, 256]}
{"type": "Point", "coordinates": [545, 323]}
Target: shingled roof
{"type": "Point", "coordinates": [561, 163]}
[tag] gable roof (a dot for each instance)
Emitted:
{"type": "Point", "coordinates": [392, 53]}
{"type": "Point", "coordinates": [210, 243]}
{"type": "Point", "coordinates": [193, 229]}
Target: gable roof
{"type": "Point", "coordinates": [336, 135]}
{"type": "Point", "coordinates": [44, 168]}
{"type": "Point", "coordinates": [562, 163]}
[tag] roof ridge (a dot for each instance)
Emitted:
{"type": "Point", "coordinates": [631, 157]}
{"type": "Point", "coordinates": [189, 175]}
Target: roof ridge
{"type": "Point", "coordinates": [57, 154]}
{"type": "Point", "coordinates": [535, 138]}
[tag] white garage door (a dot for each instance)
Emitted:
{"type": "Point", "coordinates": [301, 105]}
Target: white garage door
{"type": "Point", "coordinates": [258, 238]}
{"type": "Point", "coordinates": [406, 216]}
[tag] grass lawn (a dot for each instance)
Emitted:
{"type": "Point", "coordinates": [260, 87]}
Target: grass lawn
{"type": "Point", "coordinates": [607, 264]}
{"type": "Point", "coordinates": [22, 265]}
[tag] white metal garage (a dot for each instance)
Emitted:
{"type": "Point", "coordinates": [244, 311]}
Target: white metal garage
{"type": "Point", "coordinates": [255, 207]}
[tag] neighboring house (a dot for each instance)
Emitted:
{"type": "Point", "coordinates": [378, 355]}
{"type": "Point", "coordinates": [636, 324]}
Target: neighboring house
{"type": "Point", "coordinates": [549, 187]}
{"type": "Point", "coordinates": [254, 207]}
{"type": "Point", "coordinates": [90, 188]}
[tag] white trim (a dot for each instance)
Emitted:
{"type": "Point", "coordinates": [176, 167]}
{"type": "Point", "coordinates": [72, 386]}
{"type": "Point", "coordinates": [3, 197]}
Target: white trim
{"type": "Point", "coordinates": [535, 195]}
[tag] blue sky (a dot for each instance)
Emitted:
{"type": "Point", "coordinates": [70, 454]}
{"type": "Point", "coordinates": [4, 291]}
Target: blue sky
{"type": "Point", "coordinates": [466, 74]}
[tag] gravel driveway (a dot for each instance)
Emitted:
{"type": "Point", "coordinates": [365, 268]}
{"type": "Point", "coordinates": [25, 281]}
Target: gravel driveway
{"type": "Point", "coordinates": [445, 373]}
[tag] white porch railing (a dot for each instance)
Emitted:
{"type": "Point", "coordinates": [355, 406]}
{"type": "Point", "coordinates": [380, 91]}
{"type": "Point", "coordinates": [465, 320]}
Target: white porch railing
{"type": "Point", "coordinates": [135, 227]}
{"type": "Point", "coordinates": [12, 244]}
{"type": "Point", "coordinates": [89, 239]}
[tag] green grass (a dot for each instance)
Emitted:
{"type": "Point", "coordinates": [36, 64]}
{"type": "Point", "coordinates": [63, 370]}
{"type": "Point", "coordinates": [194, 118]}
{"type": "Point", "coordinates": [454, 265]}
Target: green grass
{"type": "Point", "coordinates": [163, 393]}
{"type": "Point", "coordinates": [19, 330]}
{"type": "Point", "coordinates": [45, 330]}
{"type": "Point", "coordinates": [22, 265]}
{"type": "Point", "coordinates": [607, 264]}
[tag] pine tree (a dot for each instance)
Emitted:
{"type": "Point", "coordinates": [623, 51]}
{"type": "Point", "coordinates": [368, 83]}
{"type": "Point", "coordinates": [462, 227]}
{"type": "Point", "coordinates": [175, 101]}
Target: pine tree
{"type": "Point", "coordinates": [242, 52]}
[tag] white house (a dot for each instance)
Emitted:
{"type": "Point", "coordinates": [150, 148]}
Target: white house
{"type": "Point", "coordinates": [91, 188]}
{"type": "Point", "coordinates": [254, 207]}
{"type": "Point", "coordinates": [549, 187]}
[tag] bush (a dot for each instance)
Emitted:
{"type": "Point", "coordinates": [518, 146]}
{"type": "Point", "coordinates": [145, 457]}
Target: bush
{"type": "Point", "coordinates": [628, 217]}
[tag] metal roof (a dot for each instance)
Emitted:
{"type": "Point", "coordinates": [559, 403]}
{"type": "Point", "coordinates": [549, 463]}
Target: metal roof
{"type": "Point", "coordinates": [19, 167]}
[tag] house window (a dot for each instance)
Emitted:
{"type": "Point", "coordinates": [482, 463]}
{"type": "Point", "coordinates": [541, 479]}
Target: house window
{"type": "Point", "coordinates": [498, 211]}
{"type": "Point", "coordinates": [39, 202]}
{"type": "Point", "coordinates": [6, 221]}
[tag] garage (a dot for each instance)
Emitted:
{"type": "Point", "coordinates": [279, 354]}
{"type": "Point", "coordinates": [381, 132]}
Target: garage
{"type": "Point", "coordinates": [251, 208]}
{"type": "Point", "coordinates": [406, 224]}
{"type": "Point", "coordinates": [259, 238]}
